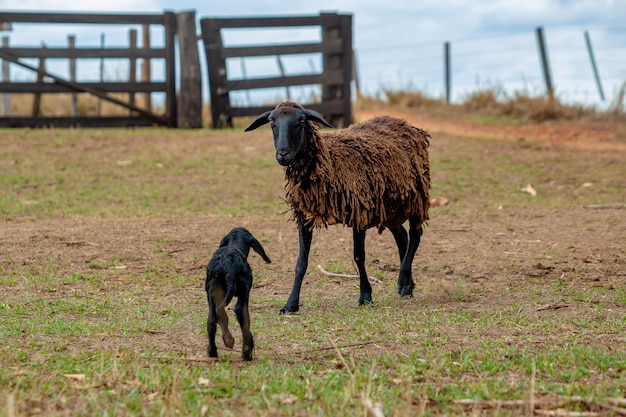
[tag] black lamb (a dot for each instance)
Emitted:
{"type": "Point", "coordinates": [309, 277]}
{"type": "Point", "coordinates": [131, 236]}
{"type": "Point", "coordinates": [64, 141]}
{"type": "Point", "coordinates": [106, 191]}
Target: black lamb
{"type": "Point", "coordinates": [228, 274]}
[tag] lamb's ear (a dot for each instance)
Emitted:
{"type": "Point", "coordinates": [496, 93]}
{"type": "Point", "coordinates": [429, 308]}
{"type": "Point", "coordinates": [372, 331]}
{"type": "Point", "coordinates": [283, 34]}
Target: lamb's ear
{"type": "Point", "coordinates": [314, 116]}
{"type": "Point", "coordinates": [259, 249]}
{"type": "Point", "coordinates": [225, 241]}
{"type": "Point", "coordinates": [259, 121]}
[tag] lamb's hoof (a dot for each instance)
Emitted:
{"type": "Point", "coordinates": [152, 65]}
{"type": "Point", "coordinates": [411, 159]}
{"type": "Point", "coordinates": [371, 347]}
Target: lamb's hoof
{"type": "Point", "coordinates": [365, 300]}
{"type": "Point", "coordinates": [406, 290]}
{"type": "Point", "coordinates": [228, 339]}
{"type": "Point", "coordinates": [289, 309]}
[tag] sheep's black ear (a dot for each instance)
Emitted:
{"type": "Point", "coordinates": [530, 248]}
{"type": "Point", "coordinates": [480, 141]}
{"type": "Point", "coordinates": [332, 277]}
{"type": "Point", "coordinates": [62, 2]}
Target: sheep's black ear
{"type": "Point", "coordinates": [314, 116]}
{"type": "Point", "coordinates": [259, 249]}
{"type": "Point", "coordinates": [259, 121]}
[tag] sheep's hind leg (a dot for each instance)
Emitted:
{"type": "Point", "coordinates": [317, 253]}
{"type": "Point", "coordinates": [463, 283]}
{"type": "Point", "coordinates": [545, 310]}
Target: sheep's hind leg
{"type": "Point", "coordinates": [293, 302]}
{"type": "Point", "coordinates": [405, 277]}
{"type": "Point", "coordinates": [359, 258]}
{"type": "Point", "coordinates": [402, 240]}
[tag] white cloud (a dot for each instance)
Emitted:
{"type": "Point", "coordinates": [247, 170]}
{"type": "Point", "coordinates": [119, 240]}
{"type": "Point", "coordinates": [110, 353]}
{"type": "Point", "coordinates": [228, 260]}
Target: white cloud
{"type": "Point", "coordinates": [77, 5]}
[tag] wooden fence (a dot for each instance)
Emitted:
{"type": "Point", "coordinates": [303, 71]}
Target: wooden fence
{"type": "Point", "coordinates": [109, 91]}
{"type": "Point", "coordinates": [335, 47]}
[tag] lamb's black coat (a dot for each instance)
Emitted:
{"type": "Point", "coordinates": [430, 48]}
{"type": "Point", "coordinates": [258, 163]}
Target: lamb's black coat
{"type": "Point", "coordinates": [229, 275]}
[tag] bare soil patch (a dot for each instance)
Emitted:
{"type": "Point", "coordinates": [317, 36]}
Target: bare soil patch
{"type": "Point", "coordinates": [482, 257]}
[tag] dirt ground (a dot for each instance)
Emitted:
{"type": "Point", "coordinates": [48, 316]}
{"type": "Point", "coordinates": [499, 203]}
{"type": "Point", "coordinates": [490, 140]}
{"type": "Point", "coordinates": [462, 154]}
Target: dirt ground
{"type": "Point", "coordinates": [485, 251]}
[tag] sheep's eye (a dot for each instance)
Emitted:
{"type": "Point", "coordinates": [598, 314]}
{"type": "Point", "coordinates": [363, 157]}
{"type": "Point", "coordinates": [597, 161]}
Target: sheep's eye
{"type": "Point", "coordinates": [302, 120]}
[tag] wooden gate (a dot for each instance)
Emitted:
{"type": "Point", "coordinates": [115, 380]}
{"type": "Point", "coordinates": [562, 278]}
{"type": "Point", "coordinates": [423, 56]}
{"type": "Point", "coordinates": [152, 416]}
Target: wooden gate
{"type": "Point", "coordinates": [335, 47]}
{"type": "Point", "coordinates": [49, 83]}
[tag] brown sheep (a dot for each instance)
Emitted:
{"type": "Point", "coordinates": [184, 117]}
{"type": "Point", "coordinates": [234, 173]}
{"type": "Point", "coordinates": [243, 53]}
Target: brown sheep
{"type": "Point", "coordinates": [372, 174]}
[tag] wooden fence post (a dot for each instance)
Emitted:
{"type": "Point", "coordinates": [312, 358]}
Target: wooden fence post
{"type": "Point", "coordinates": [6, 98]}
{"type": "Point", "coordinates": [190, 96]}
{"type": "Point", "coordinates": [593, 65]}
{"type": "Point", "coordinates": [132, 72]}
{"type": "Point", "coordinates": [145, 65]}
{"type": "Point", "coordinates": [446, 67]}
{"type": "Point", "coordinates": [543, 53]}
{"type": "Point", "coordinates": [338, 27]}
{"type": "Point", "coordinates": [71, 43]}
{"type": "Point", "coordinates": [101, 73]}
{"type": "Point", "coordinates": [40, 77]}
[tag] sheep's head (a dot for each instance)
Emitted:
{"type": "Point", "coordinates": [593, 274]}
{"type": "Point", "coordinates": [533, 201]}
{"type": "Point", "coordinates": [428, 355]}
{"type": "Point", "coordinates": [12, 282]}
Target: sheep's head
{"type": "Point", "coordinates": [288, 121]}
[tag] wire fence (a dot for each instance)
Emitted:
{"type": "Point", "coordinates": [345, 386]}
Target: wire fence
{"type": "Point", "coordinates": [509, 62]}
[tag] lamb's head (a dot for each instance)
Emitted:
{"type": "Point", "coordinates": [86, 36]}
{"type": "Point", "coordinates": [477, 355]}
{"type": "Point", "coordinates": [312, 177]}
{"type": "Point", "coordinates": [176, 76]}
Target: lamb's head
{"type": "Point", "coordinates": [289, 121]}
{"type": "Point", "coordinates": [241, 239]}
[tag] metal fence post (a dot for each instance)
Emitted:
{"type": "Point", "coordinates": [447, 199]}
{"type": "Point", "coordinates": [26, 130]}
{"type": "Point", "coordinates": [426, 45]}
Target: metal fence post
{"type": "Point", "coordinates": [593, 65]}
{"type": "Point", "coordinates": [543, 54]}
{"type": "Point", "coordinates": [446, 66]}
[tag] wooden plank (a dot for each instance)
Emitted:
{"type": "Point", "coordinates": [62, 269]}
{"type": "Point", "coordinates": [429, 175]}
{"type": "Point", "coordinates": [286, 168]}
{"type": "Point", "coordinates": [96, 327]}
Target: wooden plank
{"type": "Point", "coordinates": [171, 105]}
{"type": "Point", "coordinates": [110, 87]}
{"type": "Point", "coordinates": [334, 46]}
{"type": "Point", "coordinates": [145, 64]}
{"type": "Point", "coordinates": [71, 40]}
{"type": "Point", "coordinates": [86, 89]}
{"type": "Point", "coordinates": [41, 72]}
{"type": "Point", "coordinates": [82, 18]}
{"type": "Point", "coordinates": [132, 71]}
{"type": "Point", "coordinates": [331, 77]}
{"type": "Point", "coordinates": [347, 62]}
{"type": "Point", "coordinates": [100, 121]}
{"type": "Point", "coordinates": [190, 95]}
{"type": "Point", "coordinates": [253, 22]}
{"type": "Point", "coordinates": [66, 53]}
{"type": "Point", "coordinates": [330, 107]}
{"type": "Point", "coordinates": [213, 47]}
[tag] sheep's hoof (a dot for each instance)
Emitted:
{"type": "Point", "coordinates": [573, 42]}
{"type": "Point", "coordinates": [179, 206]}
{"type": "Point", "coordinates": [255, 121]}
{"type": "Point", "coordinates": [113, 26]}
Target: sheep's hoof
{"type": "Point", "coordinates": [246, 355]}
{"type": "Point", "coordinates": [365, 300]}
{"type": "Point", "coordinates": [212, 351]}
{"type": "Point", "coordinates": [406, 290]}
{"type": "Point", "coordinates": [288, 309]}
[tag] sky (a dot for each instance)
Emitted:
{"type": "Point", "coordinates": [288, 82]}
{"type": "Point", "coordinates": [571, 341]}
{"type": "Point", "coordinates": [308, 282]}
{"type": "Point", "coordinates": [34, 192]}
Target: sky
{"type": "Point", "coordinates": [399, 44]}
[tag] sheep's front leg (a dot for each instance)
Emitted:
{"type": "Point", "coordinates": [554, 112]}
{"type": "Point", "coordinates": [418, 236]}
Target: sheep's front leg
{"type": "Point", "coordinates": [306, 237]}
{"type": "Point", "coordinates": [243, 317]}
{"type": "Point", "coordinates": [405, 277]}
{"type": "Point", "coordinates": [358, 237]}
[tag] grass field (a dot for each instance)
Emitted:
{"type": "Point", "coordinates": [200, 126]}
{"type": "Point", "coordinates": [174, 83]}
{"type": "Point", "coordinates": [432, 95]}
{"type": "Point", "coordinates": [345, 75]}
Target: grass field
{"type": "Point", "coordinates": [519, 309]}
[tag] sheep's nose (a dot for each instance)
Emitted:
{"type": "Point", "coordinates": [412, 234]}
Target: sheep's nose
{"type": "Point", "coordinates": [283, 157]}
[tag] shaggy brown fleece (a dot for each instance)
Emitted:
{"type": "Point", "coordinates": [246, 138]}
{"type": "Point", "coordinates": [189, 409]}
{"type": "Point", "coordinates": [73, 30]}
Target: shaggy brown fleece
{"type": "Point", "coordinates": [372, 174]}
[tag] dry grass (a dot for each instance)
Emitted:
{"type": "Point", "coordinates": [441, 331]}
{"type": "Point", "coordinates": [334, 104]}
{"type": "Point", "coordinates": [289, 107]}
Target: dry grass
{"type": "Point", "coordinates": [496, 103]}
{"type": "Point", "coordinates": [490, 102]}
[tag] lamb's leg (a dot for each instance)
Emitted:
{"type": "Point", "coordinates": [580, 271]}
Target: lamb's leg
{"type": "Point", "coordinates": [358, 237]}
{"type": "Point", "coordinates": [222, 318]}
{"type": "Point", "coordinates": [211, 326]}
{"type": "Point", "coordinates": [293, 302]}
{"type": "Point", "coordinates": [402, 240]}
{"type": "Point", "coordinates": [405, 278]}
{"type": "Point", "coordinates": [243, 317]}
